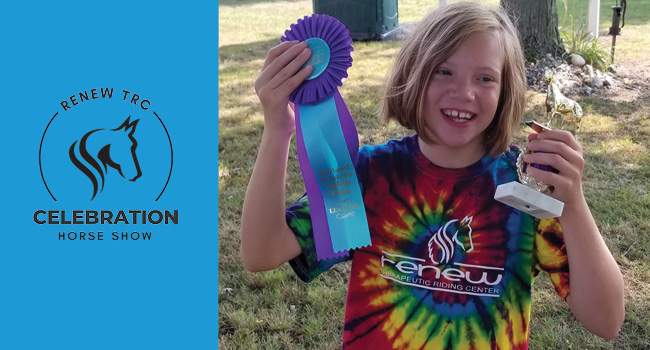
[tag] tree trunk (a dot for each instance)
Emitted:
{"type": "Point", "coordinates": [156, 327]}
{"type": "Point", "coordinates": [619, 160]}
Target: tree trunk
{"type": "Point", "coordinates": [537, 23]}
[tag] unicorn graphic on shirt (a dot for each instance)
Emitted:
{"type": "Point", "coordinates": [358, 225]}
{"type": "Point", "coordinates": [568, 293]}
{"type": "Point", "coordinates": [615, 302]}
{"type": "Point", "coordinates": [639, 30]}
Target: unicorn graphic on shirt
{"type": "Point", "coordinates": [442, 245]}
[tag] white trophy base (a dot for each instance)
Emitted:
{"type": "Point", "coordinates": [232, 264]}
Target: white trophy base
{"type": "Point", "coordinates": [528, 200]}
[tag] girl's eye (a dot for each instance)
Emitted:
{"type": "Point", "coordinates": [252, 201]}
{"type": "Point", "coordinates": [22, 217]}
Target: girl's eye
{"type": "Point", "coordinates": [443, 71]}
{"type": "Point", "coordinates": [486, 79]}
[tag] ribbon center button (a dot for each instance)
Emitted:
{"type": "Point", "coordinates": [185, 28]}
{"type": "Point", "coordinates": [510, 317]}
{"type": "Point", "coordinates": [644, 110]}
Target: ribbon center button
{"type": "Point", "coordinates": [320, 56]}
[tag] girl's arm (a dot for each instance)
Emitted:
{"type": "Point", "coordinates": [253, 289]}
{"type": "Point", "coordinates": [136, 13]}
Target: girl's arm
{"type": "Point", "coordinates": [266, 239]}
{"type": "Point", "coordinates": [596, 284]}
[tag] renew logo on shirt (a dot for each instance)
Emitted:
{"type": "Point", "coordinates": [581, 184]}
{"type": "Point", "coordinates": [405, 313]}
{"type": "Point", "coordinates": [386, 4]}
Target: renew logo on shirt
{"type": "Point", "coordinates": [444, 272]}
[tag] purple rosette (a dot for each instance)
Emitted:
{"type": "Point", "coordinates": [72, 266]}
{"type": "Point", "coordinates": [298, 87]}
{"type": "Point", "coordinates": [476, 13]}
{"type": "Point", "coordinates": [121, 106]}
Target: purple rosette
{"type": "Point", "coordinates": [323, 123]}
{"type": "Point", "coordinates": [338, 39]}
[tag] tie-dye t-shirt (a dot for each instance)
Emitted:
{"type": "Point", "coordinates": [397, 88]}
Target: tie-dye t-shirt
{"type": "Point", "coordinates": [449, 267]}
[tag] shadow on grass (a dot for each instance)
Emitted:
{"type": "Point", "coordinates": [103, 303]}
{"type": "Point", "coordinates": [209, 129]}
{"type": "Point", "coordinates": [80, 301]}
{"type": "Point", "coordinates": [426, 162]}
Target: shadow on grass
{"type": "Point", "coordinates": [246, 52]}
{"type": "Point", "coordinates": [240, 65]}
{"type": "Point", "coordinates": [617, 173]}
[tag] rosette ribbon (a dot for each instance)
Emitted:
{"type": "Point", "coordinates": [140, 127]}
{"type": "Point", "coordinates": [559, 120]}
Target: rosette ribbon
{"type": "Point", "coordinates": [327, 139]}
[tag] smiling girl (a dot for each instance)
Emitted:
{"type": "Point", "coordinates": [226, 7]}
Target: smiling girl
{"type": "Point", "coordinates": [449, 267]}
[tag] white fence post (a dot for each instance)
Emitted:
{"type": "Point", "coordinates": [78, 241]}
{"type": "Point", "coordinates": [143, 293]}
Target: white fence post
{"type": "Point", "coordinates": [593, 19]}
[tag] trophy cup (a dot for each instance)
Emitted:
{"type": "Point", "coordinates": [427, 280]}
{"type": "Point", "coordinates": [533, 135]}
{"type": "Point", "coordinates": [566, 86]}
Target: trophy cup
{"type": "Point", "coordinates": [531, 196]}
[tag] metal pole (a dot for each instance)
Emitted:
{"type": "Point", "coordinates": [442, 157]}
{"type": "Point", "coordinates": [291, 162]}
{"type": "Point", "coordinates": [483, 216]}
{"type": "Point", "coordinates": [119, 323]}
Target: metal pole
{"type": "Point", "coordinates": [615, 29]}
{"type": "Point", "coordinates": [613, 47]}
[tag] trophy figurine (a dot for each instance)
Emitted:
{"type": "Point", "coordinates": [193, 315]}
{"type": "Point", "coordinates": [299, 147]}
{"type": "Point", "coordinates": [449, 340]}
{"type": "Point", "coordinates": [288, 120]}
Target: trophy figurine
{"type": "Point", "coordinates": [531, 196]}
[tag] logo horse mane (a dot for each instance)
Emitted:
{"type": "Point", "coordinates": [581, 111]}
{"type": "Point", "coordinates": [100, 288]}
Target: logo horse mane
{"type": "Point", "coordinates": [445, 243]}
{"type": "Point", "coordinates": [97, 154]}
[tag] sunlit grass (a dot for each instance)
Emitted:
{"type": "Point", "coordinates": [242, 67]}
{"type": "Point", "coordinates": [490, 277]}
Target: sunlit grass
{"type": "Point", "coordinates": [245, 22]}
{"type": "Point", "coordinates": [632, 44]}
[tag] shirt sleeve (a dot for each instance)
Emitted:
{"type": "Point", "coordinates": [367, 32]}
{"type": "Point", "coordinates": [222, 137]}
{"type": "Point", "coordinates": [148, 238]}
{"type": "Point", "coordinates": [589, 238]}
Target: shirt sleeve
{"type": "Point", "coordinates": [550, 255]}
{"type": "Point", "coordinates": [306, 265]}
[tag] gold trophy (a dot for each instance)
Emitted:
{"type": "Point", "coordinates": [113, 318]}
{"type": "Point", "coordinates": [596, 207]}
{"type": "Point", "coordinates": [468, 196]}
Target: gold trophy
{"type": "Point", "coordinates": [531, 196]}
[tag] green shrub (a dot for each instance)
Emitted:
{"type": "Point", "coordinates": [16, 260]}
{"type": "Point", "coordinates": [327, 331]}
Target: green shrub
{"type": "Point", "coordinates": [576, 40]}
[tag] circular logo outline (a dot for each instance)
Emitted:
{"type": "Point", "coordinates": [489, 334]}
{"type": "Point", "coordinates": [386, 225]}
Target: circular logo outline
{"type": "Point", "coordinates": [171, 166]}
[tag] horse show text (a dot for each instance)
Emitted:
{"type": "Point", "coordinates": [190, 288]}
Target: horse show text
{"type": "Point", "coordinates": [105, 217]}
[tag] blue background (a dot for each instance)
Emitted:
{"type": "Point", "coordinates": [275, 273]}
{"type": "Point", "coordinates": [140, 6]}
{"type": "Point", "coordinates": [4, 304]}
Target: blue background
{"type": "Point", "coordinates": [157, 294]}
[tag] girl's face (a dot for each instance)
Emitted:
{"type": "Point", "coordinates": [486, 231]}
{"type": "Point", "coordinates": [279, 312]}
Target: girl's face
{"type": "Point", "coordinates": [463, 94]}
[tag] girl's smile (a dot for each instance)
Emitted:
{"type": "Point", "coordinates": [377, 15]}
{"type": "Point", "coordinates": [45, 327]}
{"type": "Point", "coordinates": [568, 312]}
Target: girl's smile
{"type": "Point", "coordinates": [458, 116]}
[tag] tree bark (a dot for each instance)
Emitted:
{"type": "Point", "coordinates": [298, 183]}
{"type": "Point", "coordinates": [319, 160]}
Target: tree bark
{"type": "Point", "coordinates": [537, 23]}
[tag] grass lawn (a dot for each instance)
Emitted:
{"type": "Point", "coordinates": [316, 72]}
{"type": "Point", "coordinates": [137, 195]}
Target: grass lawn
{"type": "Point", "coordinates": [274, 310]}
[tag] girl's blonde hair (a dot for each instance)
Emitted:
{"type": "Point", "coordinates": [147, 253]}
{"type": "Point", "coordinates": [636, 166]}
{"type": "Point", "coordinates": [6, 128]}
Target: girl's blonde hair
{"type": "Point", "coordinates": [434, 40]}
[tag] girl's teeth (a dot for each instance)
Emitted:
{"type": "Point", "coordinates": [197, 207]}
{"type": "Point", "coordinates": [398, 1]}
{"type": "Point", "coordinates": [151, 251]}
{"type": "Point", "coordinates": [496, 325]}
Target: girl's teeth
{"type": "Point", "coordinates": [459, 115]}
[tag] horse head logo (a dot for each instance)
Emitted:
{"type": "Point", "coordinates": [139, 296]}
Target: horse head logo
{"type": "Point", "coordinates": [446, 241]}
{"type": "Point", "coordinates": [101, 148]}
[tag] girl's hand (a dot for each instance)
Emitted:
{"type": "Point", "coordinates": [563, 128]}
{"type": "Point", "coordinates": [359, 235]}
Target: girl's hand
{"type": "Point", "coordinates": [562, 151]}
{"type": "Point", "coordinates": [280, 75]}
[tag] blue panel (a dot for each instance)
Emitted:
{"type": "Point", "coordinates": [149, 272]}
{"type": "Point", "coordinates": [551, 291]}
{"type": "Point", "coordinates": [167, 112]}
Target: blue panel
{"type": "Point", "coordinates": [137, 164]}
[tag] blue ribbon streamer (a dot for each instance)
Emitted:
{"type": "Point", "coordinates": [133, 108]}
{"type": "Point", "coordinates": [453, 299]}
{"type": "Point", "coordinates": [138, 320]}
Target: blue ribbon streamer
{"type": "Point", "coordinates": [333, 168]}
